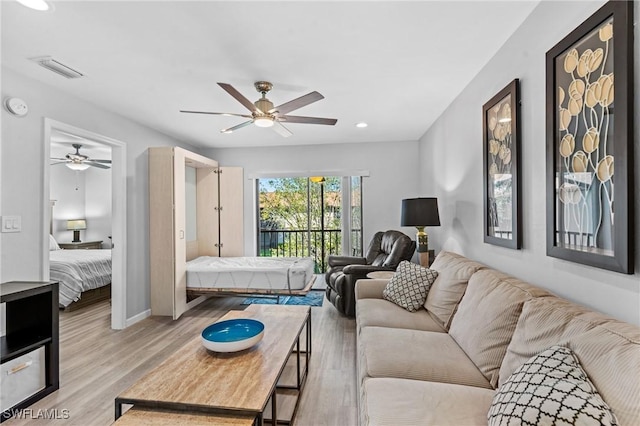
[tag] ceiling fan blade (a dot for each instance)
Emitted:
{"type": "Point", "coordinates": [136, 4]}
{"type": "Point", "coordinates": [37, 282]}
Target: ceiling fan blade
{"type": "Point", "coordinates": [307, 99]}
{"type": "Point", "coordinates": [98, 165]}
{"type": "Point", "coordinates": [57, 162]}
{"type": "Point", "coordinates": [239, 97]}
{"type": "Point", "coordinates": [218, 113]}
{"type": "Point", "coordinates": [100, 161]}
{"type": "Point", "coordinates": [308, 120]}
{"type": "Point", "coordinates": [60, 159]}
{"type": "Point", "coordinates": [281, 130]}
{"type": "Point", "coordinates": [234, 128]}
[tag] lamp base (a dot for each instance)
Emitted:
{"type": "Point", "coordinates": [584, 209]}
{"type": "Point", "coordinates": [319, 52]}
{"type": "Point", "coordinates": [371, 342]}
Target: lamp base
{"type": "Point", "coordinates": [422, 240]}
{"type": "Point", "coordinates": [76, 237]}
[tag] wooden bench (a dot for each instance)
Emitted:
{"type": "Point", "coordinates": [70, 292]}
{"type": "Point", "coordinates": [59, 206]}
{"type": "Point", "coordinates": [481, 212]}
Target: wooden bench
{"type": "Point", "coordinates": [143, 416]}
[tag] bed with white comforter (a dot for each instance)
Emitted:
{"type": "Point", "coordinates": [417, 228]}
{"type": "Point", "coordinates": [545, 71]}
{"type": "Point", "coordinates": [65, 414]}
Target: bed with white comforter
{"type": "Point", "coordinates": [270, 274]}
{"type": "Point", "coordinates": [78, 271]}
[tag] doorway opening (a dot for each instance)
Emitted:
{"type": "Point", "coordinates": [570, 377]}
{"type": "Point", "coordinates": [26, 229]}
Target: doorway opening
{"type": "Point", "coordinates": [95, 199]}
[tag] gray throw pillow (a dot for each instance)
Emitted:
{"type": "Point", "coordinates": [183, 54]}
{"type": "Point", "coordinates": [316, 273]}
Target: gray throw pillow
{"type": "Point", "coordinates": [551, 388]}
{"type": "Point", "coordinates": [409, 285]}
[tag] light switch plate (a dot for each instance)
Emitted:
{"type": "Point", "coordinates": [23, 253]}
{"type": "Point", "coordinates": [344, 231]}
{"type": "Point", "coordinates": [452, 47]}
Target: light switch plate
{"type": "Point", "coordinates": [11, 223]}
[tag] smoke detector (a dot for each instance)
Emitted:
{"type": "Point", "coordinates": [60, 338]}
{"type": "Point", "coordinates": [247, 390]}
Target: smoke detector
{"type": "Point", "coordinates": [56, 66]}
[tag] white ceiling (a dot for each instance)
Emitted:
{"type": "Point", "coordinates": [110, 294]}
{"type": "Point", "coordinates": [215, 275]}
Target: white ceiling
{"type": "Point", "coordinates": [395, 65]}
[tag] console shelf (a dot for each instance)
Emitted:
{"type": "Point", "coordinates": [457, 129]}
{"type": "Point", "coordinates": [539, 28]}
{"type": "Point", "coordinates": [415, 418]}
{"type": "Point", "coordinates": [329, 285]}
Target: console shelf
{"type": "Point", "coordinates": [31, 323]}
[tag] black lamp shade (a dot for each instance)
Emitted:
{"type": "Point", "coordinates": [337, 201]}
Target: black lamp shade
{"type": "Point", "coordinates": [420, 212]}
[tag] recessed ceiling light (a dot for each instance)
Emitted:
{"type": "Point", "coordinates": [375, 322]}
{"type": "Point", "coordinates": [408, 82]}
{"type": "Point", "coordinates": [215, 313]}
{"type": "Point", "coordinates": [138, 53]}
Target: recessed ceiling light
{"type": "Point", "coordinates": [35, 4]}
{"type": "Point", "coordinates": [361, 125]}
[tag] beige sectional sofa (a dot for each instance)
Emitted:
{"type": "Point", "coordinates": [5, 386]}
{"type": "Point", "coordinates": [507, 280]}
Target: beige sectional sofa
{"type": "Point", "coordinates": [442, 364]}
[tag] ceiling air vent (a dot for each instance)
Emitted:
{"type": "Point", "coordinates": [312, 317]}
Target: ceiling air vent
{"type": "Point", "coordinates": [56, 66]}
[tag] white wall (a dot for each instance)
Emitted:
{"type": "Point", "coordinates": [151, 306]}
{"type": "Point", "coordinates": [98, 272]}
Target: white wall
{"type": "Point", "coordinates": [392, 170]}
{"type": "Point", "coordinates": [68, 190]}
{"type": "Point", "coordinates": [22, 187]}
{"type": "Point", "coordinates": [98, 205]}
{"type": "Point", "coordinates": [452, 151]}
{"type": "Point", "coordinates": [81, 194]}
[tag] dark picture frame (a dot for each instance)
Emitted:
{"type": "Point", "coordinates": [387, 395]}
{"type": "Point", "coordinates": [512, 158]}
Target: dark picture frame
{"type": "Point", "coordinates": [589, 134]}
{"type": "Point", "coordinates": [501, 168]}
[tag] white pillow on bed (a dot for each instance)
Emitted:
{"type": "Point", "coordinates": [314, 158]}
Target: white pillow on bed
{"type": "Point", "coordinates": [53, 244]}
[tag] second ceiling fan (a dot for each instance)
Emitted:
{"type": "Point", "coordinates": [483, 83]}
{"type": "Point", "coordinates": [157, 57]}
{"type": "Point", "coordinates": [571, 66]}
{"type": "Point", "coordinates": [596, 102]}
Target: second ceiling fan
{"type": "Point", "coordinates": [265, 114]}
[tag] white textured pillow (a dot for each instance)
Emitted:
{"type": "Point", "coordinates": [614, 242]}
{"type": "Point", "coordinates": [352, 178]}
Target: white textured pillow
{"type": "Point", "coordinates": [551, 388]}
{"type": "Point", "coordinates": [53, 244]}
{"type": "Point", "coordinates": [409, 286]}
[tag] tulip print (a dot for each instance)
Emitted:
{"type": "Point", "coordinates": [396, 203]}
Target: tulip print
{"type": "Point", "coordinates": [584, 156]}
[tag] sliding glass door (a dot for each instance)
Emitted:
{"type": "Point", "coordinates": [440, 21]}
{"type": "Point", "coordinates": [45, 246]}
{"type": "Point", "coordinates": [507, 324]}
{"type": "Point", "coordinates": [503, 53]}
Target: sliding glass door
{"type": "Point", "coordinates": [303, 217]}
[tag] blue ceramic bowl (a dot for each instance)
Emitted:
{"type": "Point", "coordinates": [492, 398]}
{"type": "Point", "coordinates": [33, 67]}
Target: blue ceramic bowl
{"type": "Point", "coordinates": [232, 335]}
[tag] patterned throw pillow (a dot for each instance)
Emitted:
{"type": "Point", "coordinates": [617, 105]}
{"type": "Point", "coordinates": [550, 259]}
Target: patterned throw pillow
{"type": "Point", "coordinates": [409, 286]}
{"type": "Point", "coordinates": [551, 388]}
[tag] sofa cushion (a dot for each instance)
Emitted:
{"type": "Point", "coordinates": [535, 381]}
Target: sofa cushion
{"type": "Point", "coordinates": [487, 316]}
{"type": "Point", "coordinates": [409, 286]}
{"type": "Point", "coordinates": [454, 272]}
{"type": "Point", "coordinates": [607, 349]}
{"type": "Point", "coordinates": [382, 313]}
{"type": "Point", "coordinates": [401, 402]}
{"type": "Point", "coordinates": [417, 355]}
{"type": "Point", "coordinates": [550, 388]}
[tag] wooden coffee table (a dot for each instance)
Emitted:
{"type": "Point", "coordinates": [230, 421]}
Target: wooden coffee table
{"type": "Point", "coordinates": [238, 384]}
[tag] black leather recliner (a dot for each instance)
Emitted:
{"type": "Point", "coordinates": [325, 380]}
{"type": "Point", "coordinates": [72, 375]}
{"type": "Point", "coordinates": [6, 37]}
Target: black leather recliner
{"type": "Point", "coordinates": [386, 250]}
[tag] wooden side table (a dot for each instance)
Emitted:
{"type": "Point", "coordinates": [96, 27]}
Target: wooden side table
{"type": "Point", "coordinates": [427, 258]}
{"type": "Point", "coordinates": [84, 245]}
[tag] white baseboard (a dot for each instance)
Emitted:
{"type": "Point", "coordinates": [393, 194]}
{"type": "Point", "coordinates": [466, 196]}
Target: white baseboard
{"type": "Point", "coordinates": [134, 319]}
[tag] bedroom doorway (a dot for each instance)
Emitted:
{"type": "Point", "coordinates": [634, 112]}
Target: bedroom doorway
{"type": "Point", "coordinates": [107, 205]}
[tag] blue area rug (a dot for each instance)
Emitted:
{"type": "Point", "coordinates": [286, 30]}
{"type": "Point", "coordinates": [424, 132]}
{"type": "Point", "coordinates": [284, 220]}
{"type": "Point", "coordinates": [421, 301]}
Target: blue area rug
{"type": "Point", "coordinates": [313, 298]}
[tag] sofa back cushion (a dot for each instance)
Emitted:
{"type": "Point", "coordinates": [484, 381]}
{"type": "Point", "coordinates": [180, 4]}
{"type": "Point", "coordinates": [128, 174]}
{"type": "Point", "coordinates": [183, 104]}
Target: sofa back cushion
{"type": "Point", "coordinates": [608, 350]}
{"type": "Point", "coordinates": [487, 316]}
{"type": "Point", "coordinates": [454, 272]}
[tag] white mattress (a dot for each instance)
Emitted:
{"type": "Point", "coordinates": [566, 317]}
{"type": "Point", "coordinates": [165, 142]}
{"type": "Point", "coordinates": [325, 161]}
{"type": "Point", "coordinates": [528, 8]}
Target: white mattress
{"type": "Point", "coordinates": [276, 273]}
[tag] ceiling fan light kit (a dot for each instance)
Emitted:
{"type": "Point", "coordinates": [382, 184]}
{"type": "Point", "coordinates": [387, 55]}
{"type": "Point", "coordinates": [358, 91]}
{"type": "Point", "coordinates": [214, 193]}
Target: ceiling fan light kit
{"type": "Point", "coordinates": [78, 167]}
{"type": "Point", "coordinates": [263, 121]}
{"type": "Point", "coordinates": [264, 114]}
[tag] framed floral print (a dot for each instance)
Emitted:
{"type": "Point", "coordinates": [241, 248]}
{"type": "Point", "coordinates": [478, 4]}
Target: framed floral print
{"type": "Point", "coordinates": [589, 132]}
{"type": "Point", "coordinates": [501, 166]}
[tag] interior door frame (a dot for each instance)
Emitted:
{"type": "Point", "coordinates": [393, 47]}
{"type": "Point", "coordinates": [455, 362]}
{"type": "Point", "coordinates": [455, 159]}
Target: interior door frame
{"type": "Point", "coordinates": [118, 212]}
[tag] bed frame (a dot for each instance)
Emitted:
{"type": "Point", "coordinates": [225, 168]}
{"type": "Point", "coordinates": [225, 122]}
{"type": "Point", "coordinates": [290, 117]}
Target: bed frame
{"type": "Point", "coordinates": [197, 291]}
{"type": "Point", "coordinates": [90, 297]}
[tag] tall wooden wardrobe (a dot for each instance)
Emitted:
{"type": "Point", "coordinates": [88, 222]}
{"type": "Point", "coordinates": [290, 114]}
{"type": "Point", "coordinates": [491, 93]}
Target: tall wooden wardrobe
{"type": "Point", "coordinates": [216, 205]}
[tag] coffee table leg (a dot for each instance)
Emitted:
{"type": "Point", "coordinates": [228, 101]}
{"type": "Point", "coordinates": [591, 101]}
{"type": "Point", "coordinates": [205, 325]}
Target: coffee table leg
{"type": "Point", "coordinates": [118, 410]}
{"type": "Point", "coordinates": [274, 409]}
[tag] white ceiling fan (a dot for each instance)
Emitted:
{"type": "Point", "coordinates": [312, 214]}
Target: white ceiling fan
{"type": "Point", "coordinates": [265, 114]}
{"type": "Point", "coordinates": [78, 162]}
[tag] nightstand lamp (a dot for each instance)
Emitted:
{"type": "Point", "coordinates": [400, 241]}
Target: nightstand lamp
{"type": "Point", "coordinates": [421, 212]}
{"type": "Point", "coordinates": [76, 225]}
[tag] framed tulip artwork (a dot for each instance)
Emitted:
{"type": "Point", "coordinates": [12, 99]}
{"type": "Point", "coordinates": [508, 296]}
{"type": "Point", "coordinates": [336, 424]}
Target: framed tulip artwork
{"type": "Point", "coordinates": [589, 132]}
{"type": "Point", "coordinates": [501, 159]}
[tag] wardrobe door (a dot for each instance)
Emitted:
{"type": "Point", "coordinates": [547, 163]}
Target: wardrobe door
{"type": "Point", "coordinates": [180, 238]}
{"type": "Point", "coordinates": [231, 210]}
{"type": "Point", "coordinates": [161, 231]}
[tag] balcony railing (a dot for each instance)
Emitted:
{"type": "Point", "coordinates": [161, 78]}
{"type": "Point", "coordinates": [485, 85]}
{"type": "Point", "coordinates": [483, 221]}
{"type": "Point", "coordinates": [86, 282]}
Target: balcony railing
{"type": "Point", "coordinates": [304, 243]}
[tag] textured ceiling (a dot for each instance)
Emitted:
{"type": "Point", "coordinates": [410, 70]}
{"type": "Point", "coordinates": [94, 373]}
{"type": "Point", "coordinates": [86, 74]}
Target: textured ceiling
{"type": "Point", "coordinates": [395, 65]}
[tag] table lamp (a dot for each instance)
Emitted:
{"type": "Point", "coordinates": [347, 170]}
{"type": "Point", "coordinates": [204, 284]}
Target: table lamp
{"type": "Point", "coordinates": [76, 225]}
{"type": "Point", "coordinates": [421, 212]}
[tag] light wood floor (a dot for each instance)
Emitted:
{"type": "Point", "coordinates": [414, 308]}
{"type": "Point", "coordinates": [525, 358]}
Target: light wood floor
{"type": "Point", "coordinates": [97, 363]}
